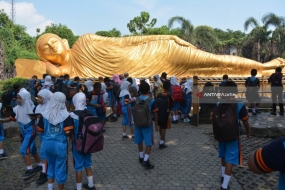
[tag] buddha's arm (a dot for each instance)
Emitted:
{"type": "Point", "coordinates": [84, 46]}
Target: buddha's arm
{"type": "Point", "coordinates": [53, 70]}
{"type": "Point", "coordinates": [137, 40]}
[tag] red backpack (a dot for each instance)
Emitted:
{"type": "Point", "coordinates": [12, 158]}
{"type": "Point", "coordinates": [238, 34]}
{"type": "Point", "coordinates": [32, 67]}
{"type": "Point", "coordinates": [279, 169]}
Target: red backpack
{"type": "Point", "coordinates": [177, 94]}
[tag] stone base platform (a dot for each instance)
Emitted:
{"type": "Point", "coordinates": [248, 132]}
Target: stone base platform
{"type": "Point", "coordinates": [267, 125]}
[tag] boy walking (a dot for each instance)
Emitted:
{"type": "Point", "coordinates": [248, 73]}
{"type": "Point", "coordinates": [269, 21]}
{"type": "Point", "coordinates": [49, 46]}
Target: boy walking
{"type": "Point", "coordinates": [226, 130]}
{"type": "Point", "coordinates": [277, 88]}
{"type": "Point", "coordinates": [252, 85]}
{"type": "Point", "coordinates": [145, 133]}
{"type": "Point", "coordinates": [164, 103]}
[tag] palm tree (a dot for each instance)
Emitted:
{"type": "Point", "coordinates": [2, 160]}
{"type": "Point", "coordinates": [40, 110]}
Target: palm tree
{"type": "Point", "coordinates": [259, 34]}
{"type": "Point", "coordinates": [278, 35]}
{"type": "Point", "coordinates": [186, 27]}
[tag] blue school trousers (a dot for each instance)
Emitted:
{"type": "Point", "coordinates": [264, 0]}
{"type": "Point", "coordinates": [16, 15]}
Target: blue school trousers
{"type": "Point", "coordinates": [28, 135]}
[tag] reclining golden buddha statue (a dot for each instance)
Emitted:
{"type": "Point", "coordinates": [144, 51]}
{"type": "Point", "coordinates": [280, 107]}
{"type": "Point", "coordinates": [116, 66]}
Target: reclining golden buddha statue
{"type": "Point", "coordinates": [141, 56]}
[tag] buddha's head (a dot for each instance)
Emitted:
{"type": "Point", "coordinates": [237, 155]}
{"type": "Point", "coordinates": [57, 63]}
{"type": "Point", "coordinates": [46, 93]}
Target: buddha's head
{"type": "Point", "coordinates": [52, 48]}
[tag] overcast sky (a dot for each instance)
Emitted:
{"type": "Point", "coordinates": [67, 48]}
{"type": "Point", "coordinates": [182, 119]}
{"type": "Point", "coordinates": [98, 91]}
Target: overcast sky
{"type": "Point", "coordinates": [89, 16]}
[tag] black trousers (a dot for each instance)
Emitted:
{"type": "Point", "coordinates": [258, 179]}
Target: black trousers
{"type": "Point", "coordinates": [277, 93]}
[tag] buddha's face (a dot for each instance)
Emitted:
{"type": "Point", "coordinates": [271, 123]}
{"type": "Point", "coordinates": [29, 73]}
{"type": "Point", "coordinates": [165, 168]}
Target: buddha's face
{"type": "Point", "coordinates": [52, 48]}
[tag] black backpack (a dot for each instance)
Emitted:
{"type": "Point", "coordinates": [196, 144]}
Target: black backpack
{"type": "Point", "coordinates": [141, 113]}
{"type": "Point", "coordinates": [162, 103]}
{"type": "Point", "coordinates": [116, 90]}
{"type": "Point", "coordinates": [65, 89]}
{"type": "Point", "coordinates": [225, 122]}
{"type": "Point", "coordinates": [7, 97]}
{"type": "Point", "coordinates": [252, 83]}
{"type": "Point", "coordinates": [57, 86]}
{"type": "Point", "coordinates": [276, 79]}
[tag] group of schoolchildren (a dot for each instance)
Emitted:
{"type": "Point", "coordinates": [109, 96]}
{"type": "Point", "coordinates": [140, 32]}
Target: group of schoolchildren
{"type": "Point", "coordinates": [55, 124]}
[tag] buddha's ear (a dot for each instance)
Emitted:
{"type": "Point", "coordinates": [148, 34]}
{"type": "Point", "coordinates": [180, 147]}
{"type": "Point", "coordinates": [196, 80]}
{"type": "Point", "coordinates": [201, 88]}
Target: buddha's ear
{"type": "Point", "coordinates": [66, 43]}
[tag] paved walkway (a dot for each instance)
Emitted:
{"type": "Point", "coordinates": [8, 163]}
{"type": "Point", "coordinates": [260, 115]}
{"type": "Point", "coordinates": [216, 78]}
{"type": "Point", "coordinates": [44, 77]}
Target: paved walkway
{"type": "Point", "coordinates": [190, 162]}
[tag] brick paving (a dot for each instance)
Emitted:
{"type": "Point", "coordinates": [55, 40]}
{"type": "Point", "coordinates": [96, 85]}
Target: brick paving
{"type": "Point", "coordinates": [190, 162]}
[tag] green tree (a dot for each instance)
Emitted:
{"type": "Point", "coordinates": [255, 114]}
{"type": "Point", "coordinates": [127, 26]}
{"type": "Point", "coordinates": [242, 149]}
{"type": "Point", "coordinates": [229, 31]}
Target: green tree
{"type": "Point", "coordinates": [258, 35]}
{"type": "Point", "coordinates": [140, 25]}
{"type": "Point", "coordinates": [278, 35]}
{"type": "Point", "coordinates": [206, 38]}
{"type": "Point", "coordinates": [164, 30]}
{"type": "Point", "coordinates": [187, 28]}
{"type": "Point", "coordinates": [111, 33]}
{"type": "Point", "coordinates": [17, 43]}
{"type": "Point", "coordinates": [62, 31]}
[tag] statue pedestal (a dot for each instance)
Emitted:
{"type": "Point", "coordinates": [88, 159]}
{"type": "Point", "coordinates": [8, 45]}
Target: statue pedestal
{"type": "Point", "coordinates": [26, 68]}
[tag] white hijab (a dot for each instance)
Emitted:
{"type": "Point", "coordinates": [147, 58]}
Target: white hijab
{"type": "Point", "coordinates": [135, 84]}
{"type": "Point", "coordinates": [174, 81]}
{"type": "Point", "coordinates": [124, 89]}
{"type": "Point", "coordinates": [189, 85]}
{"type": "Point", "coordinates": [157, 78]}
{"type": "Point", "coordinates": [138, 82]}
{"type": "Point", "coordinates": [29, 97]}
{"type": "Point", "coordinates": [46, 95]}
{"type": "Point", "coordinates": [25, 108]}
{"type": "Point", "coordinates": [158, 81]}
{"type": "Point", "coordinates": [56, 113]}
{"type": "Point", "coordinates": [89, 85]}
{"type": "Point", "coordinates": [48, 81]}
{"type": "Point", "coordinates": [103, 87]}
{"type": "Point", "coordinates": [79, 101]}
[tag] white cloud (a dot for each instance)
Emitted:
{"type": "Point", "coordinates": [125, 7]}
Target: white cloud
{"type": "Point", "coordinates": [26, 15]}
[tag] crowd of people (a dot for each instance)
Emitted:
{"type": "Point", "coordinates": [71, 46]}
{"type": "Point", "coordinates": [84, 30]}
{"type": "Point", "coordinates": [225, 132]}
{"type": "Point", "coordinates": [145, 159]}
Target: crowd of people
{"type": "Point", "coordinates": [53, 117]}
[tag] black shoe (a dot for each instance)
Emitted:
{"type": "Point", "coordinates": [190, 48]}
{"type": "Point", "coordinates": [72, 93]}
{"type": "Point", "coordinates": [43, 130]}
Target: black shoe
{"type": "Point", "coordinates": [162, 146]}
{"type": "Point", "coordinates": [125, 137]}
{"type": "Point", "coordinates": [38, 168]}
{"type": "Point", "coordinates": [253, 113]}
{"type": "Point", "coordinates": [273, 113]}
{"type": "Point", "coordinates": [28, 173]}
{"type": "Point", "coordinates": [113, 119]}
{"type": "Point", "coordinates": [147, 165]}
{"type": "Point", "coordinates": [42, 179]}
{"type": "Point", "coordinates": [222, 180]}
{"type": "Point", "coordinates": [3, 156]}
{"type": "Point", "coordinates": [133, 137]}
{"type": "Point", "coordinates": [140, 160]}
{"type": "Point", "coordinates": [85, 186]}
{"type": "Point", "coordinates": [281, 113]}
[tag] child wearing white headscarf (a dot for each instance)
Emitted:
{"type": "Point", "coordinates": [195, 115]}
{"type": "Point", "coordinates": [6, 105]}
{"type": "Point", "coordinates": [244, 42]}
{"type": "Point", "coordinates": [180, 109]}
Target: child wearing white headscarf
{"type": "Point", "coordinates": [56, 124]}
{"type": "Point", "coordinates": [89, 85]}
{"type": "Point", "coordinates": [187, 91]}
{"type": "Point", "coordinates": [27, 131]}
{"type": "Point", "coordinates": [43, 99]}
{"type": "Point", "coordinates": [126, 101]}
{"type": "Point", "coordinates": [174, 84]}
{"type": "Point", "coordinates": [157, 86]}
{"type": "Point", "coordinates": [104, 92]}
{"type": "Point", "coordinates": [80, 160]}
{"type": "Point", "coordinates": [48, 84]}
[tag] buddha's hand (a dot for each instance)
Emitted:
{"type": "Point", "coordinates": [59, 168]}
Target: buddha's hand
{"type": "Point", "coordinates": [53, 70]}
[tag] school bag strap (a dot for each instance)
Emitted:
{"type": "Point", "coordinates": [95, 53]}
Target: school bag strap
{"type": "Point", "coordinates": [146, 100]}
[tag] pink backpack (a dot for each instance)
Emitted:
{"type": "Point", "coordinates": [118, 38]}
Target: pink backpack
{"type": "Point", "coordinates": [90, 136]}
